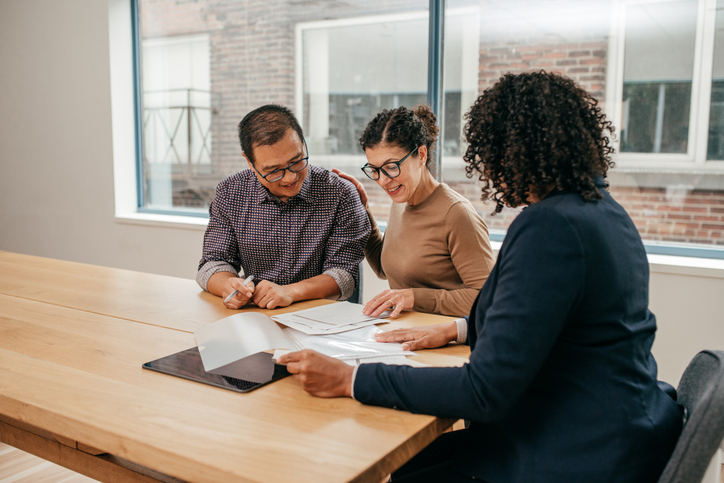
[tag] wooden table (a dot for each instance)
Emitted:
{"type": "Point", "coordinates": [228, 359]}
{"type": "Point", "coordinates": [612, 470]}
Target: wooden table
{"type": "Point", "coordinates": [73, 338]}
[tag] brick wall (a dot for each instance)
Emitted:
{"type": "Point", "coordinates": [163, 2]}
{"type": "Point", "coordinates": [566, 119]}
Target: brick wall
{"type": "Point", "coordinates": [696, 216]}
{"type": "Point", "coordinates": [252, 63]}
{"type": "Point", "coordinates": [691, 216]}
{"type": "Point", "coordinates": [583, 61]}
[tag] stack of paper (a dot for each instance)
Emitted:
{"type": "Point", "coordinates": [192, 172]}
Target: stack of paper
{"type": "Point", "coordinates": [240, 336]}
{"type": "Point", "coordinates": [328, 319]}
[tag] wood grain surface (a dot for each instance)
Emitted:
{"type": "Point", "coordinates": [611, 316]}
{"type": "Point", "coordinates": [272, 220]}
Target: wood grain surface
{"type": "Point", "coordinates": [73, 338]}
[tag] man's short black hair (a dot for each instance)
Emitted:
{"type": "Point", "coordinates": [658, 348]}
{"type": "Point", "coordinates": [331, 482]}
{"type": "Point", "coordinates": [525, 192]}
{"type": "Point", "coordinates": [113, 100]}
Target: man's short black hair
{"type": "Point", "coordinates": [265, 126]}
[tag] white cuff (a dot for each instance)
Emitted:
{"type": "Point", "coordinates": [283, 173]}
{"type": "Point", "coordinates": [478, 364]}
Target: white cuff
{"type": "Point", "coordinates": [354, 376]}
{"type": "Point", "coordinates": [462, 330]}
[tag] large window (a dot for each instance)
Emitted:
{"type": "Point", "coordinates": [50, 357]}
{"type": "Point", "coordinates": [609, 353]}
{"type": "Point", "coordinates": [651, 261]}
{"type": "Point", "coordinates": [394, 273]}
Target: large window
{"type": "Point", "coordinates": [656, 67]}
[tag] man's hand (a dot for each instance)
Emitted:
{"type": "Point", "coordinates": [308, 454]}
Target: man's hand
{"type": "Point", "coordinates": [428, 337]}
{"type": "Point", "coordinates": [242, 297]}
{"type": "Point", "coordinates": [269, 295]}
{"type": "Point", "coordinates": [393, 300]}
{"type": "Point", "coordinates": [320, 375]}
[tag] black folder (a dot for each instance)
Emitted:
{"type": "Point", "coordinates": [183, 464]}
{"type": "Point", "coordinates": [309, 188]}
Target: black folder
{"type": "Point", "coordinates": [241, 376]}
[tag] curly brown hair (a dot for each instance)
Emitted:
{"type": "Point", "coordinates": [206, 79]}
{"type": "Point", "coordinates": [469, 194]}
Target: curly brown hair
{"type": "Point", "coordinates": [533, 130]}
{"type": "Point", "coordinates": [403, 127]}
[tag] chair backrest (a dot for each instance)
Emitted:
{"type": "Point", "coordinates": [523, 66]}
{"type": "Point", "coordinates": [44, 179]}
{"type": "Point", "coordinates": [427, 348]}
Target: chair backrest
{"type": "Point", "coordinates": [701, 391]}
{"type": "Point", "coordinates": [356, 297]}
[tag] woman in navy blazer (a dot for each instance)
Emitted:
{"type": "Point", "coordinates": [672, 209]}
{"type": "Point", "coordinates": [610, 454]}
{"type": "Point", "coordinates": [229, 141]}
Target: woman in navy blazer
{"type": "Point", "coordinates": [561, 384]}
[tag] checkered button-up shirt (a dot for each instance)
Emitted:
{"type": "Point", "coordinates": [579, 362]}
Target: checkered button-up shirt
{"type": "Point", "coordinates": [321, 230]}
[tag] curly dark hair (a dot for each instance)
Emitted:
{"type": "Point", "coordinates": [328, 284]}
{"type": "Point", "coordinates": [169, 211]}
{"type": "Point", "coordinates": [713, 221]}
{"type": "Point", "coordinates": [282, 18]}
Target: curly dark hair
{"type": "Point", "coordinates": [533, 130]}
{"type": "Point", "coordinates": [407, 128]}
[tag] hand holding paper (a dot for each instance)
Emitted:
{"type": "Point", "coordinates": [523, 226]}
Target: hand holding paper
{"type": "Point", "coordinates": [320, 375]}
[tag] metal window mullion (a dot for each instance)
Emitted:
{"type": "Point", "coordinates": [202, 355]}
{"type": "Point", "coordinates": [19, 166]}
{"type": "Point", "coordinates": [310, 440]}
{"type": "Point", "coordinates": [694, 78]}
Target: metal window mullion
{"type": "Point", "coordinates": [138, 107]}
{"type": "Point", "coordinates": [706, 35]}
{"type": "Point", "coordinates": [435, 93]}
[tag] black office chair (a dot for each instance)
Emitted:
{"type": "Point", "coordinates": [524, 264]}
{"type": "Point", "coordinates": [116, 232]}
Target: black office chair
{"type": "Point", "coordinates": [356, 297]}
{"type": "Point", "coordinates": [701, 391]}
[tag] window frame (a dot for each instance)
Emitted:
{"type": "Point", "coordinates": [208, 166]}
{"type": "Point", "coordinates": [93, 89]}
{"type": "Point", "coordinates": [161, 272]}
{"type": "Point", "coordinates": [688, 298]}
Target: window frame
{"type": "Point", "coordinates": [130, 207]}
{"type": "Point", "coordinates": [695, 158]}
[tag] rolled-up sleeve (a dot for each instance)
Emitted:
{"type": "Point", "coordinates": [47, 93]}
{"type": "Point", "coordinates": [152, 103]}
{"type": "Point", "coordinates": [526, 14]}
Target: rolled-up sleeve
{"type": "Point", "coordinates": [209, 268]}
{"type": "Point", "coordinates": [220, 251]}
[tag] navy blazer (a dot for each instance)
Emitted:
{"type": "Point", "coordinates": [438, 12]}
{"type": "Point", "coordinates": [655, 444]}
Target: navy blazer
{"type": "Point", "coordinates": [561, 384]}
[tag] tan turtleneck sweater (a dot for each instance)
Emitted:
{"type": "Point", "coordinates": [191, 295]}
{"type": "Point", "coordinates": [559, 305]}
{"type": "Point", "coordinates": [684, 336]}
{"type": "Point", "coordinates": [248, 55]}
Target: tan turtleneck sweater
{"type": "Point", "coordinates": [439, 248]}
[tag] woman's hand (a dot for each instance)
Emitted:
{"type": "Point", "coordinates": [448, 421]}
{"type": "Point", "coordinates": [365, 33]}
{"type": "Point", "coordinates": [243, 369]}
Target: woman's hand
{"type": "Point", "coordinates": [320, 375]}
{"type": "Point", "coordinates": [428, 337]}
{"type": "Point", "coordinates": [360, 188]}
{"type": "Point", "coordinates": [393, 300]}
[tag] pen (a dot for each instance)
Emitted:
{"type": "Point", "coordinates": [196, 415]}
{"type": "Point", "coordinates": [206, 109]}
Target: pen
{"type": "Point", "coordinates": [243, 284]}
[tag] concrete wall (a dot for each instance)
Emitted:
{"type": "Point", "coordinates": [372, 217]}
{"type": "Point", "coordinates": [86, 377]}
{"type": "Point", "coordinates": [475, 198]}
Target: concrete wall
{"type": "Point", "coordinates": [57, 174]}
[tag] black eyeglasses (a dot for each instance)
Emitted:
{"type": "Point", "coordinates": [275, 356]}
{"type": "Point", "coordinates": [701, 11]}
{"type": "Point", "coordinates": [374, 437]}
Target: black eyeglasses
{"type": "Point", "coordinates": [295, 167]}
{"type": "Point", "coordinates": [391, 169]}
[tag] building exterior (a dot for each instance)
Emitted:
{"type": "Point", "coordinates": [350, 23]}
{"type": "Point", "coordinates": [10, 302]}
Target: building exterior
{"type": "Point", "coordinates": [656, 67]}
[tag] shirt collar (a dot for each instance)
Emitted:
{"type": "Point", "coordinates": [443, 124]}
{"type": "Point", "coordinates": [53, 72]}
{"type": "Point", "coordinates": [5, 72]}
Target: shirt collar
{"type": "Point", "coordinates": [262, 194]}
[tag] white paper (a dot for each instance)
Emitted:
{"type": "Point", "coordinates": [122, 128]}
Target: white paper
{"type": "Point", "coordinates": [329, 319]}
{"type": "Point", "coordinates": [337, 314]}
{"type": "Point", "coordinates": [389, 360]}
{"type": "Point", "coordinates": [244, 334]}
{"type": "Point", "coordinates": [239, 336]}
{"type": "Point", "coordinates": [353, 344]}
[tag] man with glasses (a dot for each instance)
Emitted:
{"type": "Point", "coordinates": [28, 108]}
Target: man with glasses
{"type": "Point", "coordinates": [299, 230]}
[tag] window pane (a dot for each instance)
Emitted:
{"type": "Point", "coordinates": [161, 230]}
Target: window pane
{"type": "Point", "coordinates": [569, 37]}
{"type": "Point", "coordinates": [681, 205]}
{"type": "Point", "coordinates": [205, 64]}
{"type": "Point", "coordinates": [715, 145]}
{"type": "Point", "coordinates": [352, 68]}
{"type": "Point", "coordinates": [658, 69]}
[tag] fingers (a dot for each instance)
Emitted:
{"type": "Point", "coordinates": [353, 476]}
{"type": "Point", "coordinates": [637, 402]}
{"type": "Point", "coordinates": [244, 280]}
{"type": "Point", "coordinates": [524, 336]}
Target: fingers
{"type": "Point", "coordinates": [382, 302]}
{"type": "Point", "coordinates": [378, 307]}
{"type": "Point", "coordinates": [410, 339]}
{"type": "Point", "coordinates": [348, 177]}
{"type": "Point", "coordinates": [291, 357]}
{"type": "Point", "coordinates": [357, 184]}
{"type": "Point", "coordinates": [242, 296]}
{"type": "Point", "coordinates": [398, 335]}
{"type": "Point", "coordinates": [396, 311]}
{"type": "Point", "coordinates": [318, 374]}
{"type": "Point", "coordinates": [265, 295]}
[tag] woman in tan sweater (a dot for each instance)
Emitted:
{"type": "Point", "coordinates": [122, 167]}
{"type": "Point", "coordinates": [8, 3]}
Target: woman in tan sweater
{"type": "Point", "coordinates": [435, 252]}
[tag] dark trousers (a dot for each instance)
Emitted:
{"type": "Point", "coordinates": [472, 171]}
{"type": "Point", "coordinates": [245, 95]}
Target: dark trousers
{"type": "Point", "coordinates": [434, 463]}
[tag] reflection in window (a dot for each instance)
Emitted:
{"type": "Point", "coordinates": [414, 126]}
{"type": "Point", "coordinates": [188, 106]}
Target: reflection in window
{"type": "Point", "coordinates": [339, 63]}
{"type": "Point", "coordinates": [655, 117]}
{"type": "Point", "coordinates": [176, 118]}
{"type": "Point", "coordinates": [658, 69]}
{"type": "Point", "coordinates": [351, 72]}
{"type": "Point", "coordinates": [570, 37]}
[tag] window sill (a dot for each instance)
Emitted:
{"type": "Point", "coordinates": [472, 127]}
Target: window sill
{"type": "Point", "coordinates": [666, 264]}
{"type": "Point", "coordinates": [692, 266]}
{"type": "Point", "coordinates": [671, 264]}
{"type": "Point", "coordinates": [192, 223]}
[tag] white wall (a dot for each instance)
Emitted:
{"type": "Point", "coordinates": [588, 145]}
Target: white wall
{"type": "Point", "coordinates": [57, 174]}
{"type": "Point", "coordinates": [56, 152]}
